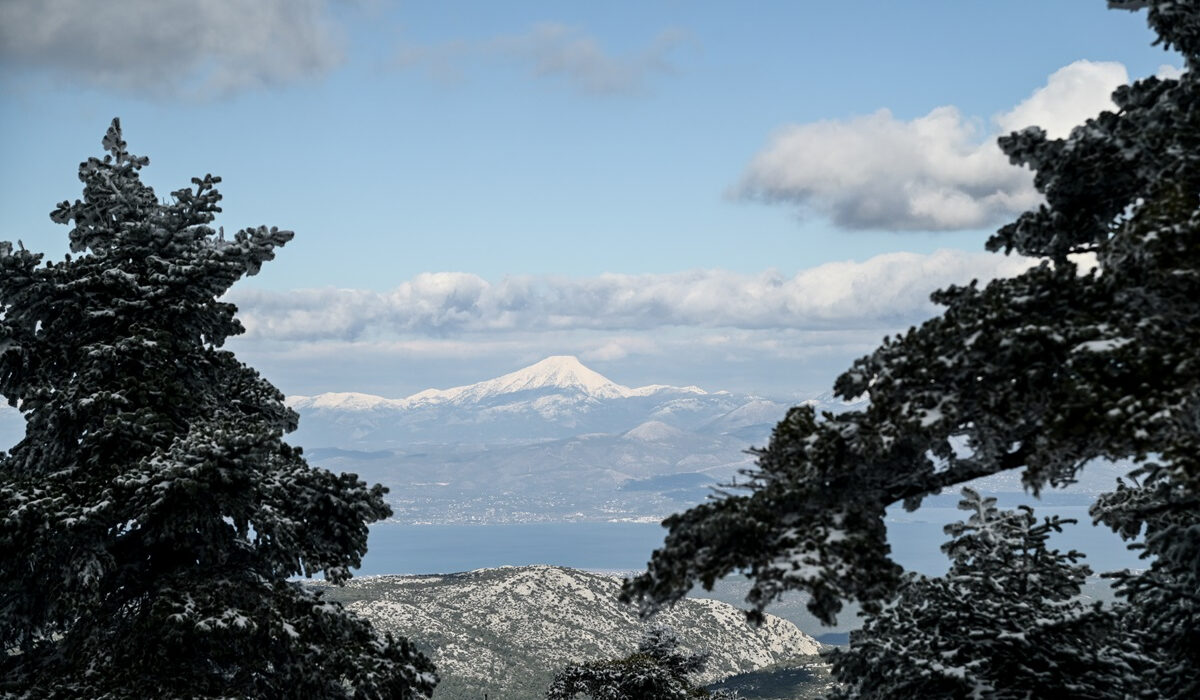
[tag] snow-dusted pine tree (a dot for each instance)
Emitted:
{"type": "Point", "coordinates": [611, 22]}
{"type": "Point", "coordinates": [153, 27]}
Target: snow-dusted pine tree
{"type": "Point", "coordinates": [658, 670]}
{"type": "Point", "coordinates": [1090, 354]}
{"type": "Point", "coordinates": [1004, 622]}
{"type": "Point", "coordinates": [153, 513]}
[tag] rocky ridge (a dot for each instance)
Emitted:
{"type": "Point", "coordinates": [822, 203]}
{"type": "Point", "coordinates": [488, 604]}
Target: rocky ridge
{"type": "Point", "coordinates": [506, 631]}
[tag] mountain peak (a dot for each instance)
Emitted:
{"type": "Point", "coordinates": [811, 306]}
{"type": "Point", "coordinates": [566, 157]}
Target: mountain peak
{"type": "Point", "coordinates": [563, 374]}
{"type": "Point", "coordinates": [554, 364]}
{"type": "Point", "coordinates": [554, 372]}
{"type": "Point", "coordinates": [558, 361]}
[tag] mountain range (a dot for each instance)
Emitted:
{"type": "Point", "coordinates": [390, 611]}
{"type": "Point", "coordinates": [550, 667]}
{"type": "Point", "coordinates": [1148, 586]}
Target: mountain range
{"type": "Point", "coordinates": [552, 441]}
{"type": "Point", "coordinates": [549, 442]}
{"type": "Point", "coordinates": [555, 398]}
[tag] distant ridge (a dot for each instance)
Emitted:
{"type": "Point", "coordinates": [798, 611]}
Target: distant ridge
{"type": "Point", "coordinates": [561, 373]}
{"type": "Point", "coordinates": [552, 441]}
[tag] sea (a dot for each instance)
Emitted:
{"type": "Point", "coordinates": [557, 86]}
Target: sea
{"type": "Point", "coordinates": [915, 539]}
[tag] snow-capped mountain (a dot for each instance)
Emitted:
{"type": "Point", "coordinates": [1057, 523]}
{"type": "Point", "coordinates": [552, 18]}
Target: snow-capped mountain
{"type": "Point", "coordinates": [554, 440]}
{"type": "Point", "coordinates": [555, 398]}
{"type": "Point", "coordinates": [506, 631]}
{"type": "Point", "coordinates": [559, 374]}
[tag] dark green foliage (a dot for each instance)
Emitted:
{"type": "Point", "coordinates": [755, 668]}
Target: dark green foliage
{"type": "Point", "coordinates": [1166, 597]}
{"type": "Point", "coordinates": [153, 513]}
{"type": "Point", "coordinates": [797, 680]}
{"type": "Point", "coordinates": [1044, 372]}
{"type": "Point", "coordinates": [1004, 622]}
{"type": "Point", "coordinates": [656, 671]}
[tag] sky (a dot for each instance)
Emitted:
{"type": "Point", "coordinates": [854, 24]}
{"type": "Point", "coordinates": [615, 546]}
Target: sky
{"type": "Point", "coordinates": [740, 196]}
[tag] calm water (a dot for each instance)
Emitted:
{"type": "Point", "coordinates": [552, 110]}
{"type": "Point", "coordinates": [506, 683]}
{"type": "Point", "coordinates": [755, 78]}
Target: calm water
{"type": "Point", "coordinates": [915, 539]}
{"type": "Point", "coordinates": [428, 549]}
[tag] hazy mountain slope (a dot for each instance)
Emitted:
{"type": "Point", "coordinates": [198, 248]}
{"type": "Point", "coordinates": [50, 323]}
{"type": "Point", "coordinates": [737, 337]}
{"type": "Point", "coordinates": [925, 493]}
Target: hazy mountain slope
{"type": "Point", "coordinates": [505, 631]}
{"type": "Point", "coordinates": [595, 476]}
{"type": "Point", "coordinates": [552, 441]}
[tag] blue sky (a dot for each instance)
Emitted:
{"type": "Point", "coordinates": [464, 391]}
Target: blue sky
{"type": "Point", "coordinates": [679, 192]}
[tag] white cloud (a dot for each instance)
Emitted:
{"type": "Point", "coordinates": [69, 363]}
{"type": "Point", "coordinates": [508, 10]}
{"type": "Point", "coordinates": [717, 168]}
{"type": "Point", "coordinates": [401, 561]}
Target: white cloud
{"type": "Point", "coordinates": [555, 51]}
{"type": "Point", "coordinates": [774, 362]}
{"type": "Point", "coordinates": [882, 291]}
{"type": "Point", "coordinates": [939, 172]}
{"type": "Point", "coordinates": [776, 335]}
{"type": "Point", "coordinates": [1169, 72]}
{"type": "Point", "coordinates": [172, 47]}
{"type": "Point", "coordinates": [1070, 96]}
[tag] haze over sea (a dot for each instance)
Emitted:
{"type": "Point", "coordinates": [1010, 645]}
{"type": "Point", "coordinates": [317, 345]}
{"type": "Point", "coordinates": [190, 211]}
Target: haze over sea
{"type": "Point", "coordinates": [915, 538]}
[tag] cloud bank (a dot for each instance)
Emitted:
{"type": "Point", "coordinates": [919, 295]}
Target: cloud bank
{"type": "Point", "coordinates": [939, 172]}
{"type": "Point", "coordinates": [172, 47]}
{"type": "Point", "coordinates": [883, 291]}
{"type": "Point", "coordinates": [553, 50]}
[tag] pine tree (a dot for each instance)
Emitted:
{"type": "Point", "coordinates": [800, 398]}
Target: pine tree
{"type": "Point", "coordinates": [656, 671]}
{"type": "Point", "coordinates": [1041, 372]}
{"type": "Point", "coordinates": [153, 512]}
{"type": "Point", "coordinates": [1004, 622]}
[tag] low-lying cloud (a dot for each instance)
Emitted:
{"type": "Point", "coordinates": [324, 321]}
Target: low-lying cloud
{"type": "Point", "coordinates": [172, 47]}
{"type": "Point", "coordinates": [883, 291]}
{"type": "Point", "coordinates": [771, 362]}
{"type": "Point", "coordinates": [939, 172]}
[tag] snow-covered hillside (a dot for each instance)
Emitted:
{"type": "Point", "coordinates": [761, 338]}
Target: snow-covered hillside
{"type": "Point", "coordinates": [505, 631]}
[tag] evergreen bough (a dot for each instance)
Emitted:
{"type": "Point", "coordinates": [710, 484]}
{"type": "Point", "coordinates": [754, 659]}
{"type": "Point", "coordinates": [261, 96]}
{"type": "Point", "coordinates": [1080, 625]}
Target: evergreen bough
{"type": "Point", "coordinates": [658, 670]}
{"type": "Point", "coordinates": [1006, 621]}
{"type": "Point", "coordinates": [153, 514]}
{"type": "Point", "coordinates": [1042, 372]}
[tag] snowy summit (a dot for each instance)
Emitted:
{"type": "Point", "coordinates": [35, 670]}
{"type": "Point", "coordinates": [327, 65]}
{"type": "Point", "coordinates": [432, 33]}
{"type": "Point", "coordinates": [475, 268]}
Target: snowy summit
{"type": "Point", "coordinates": [559, 373]}
{"type": "Point", "coordinates": [555, 372]}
